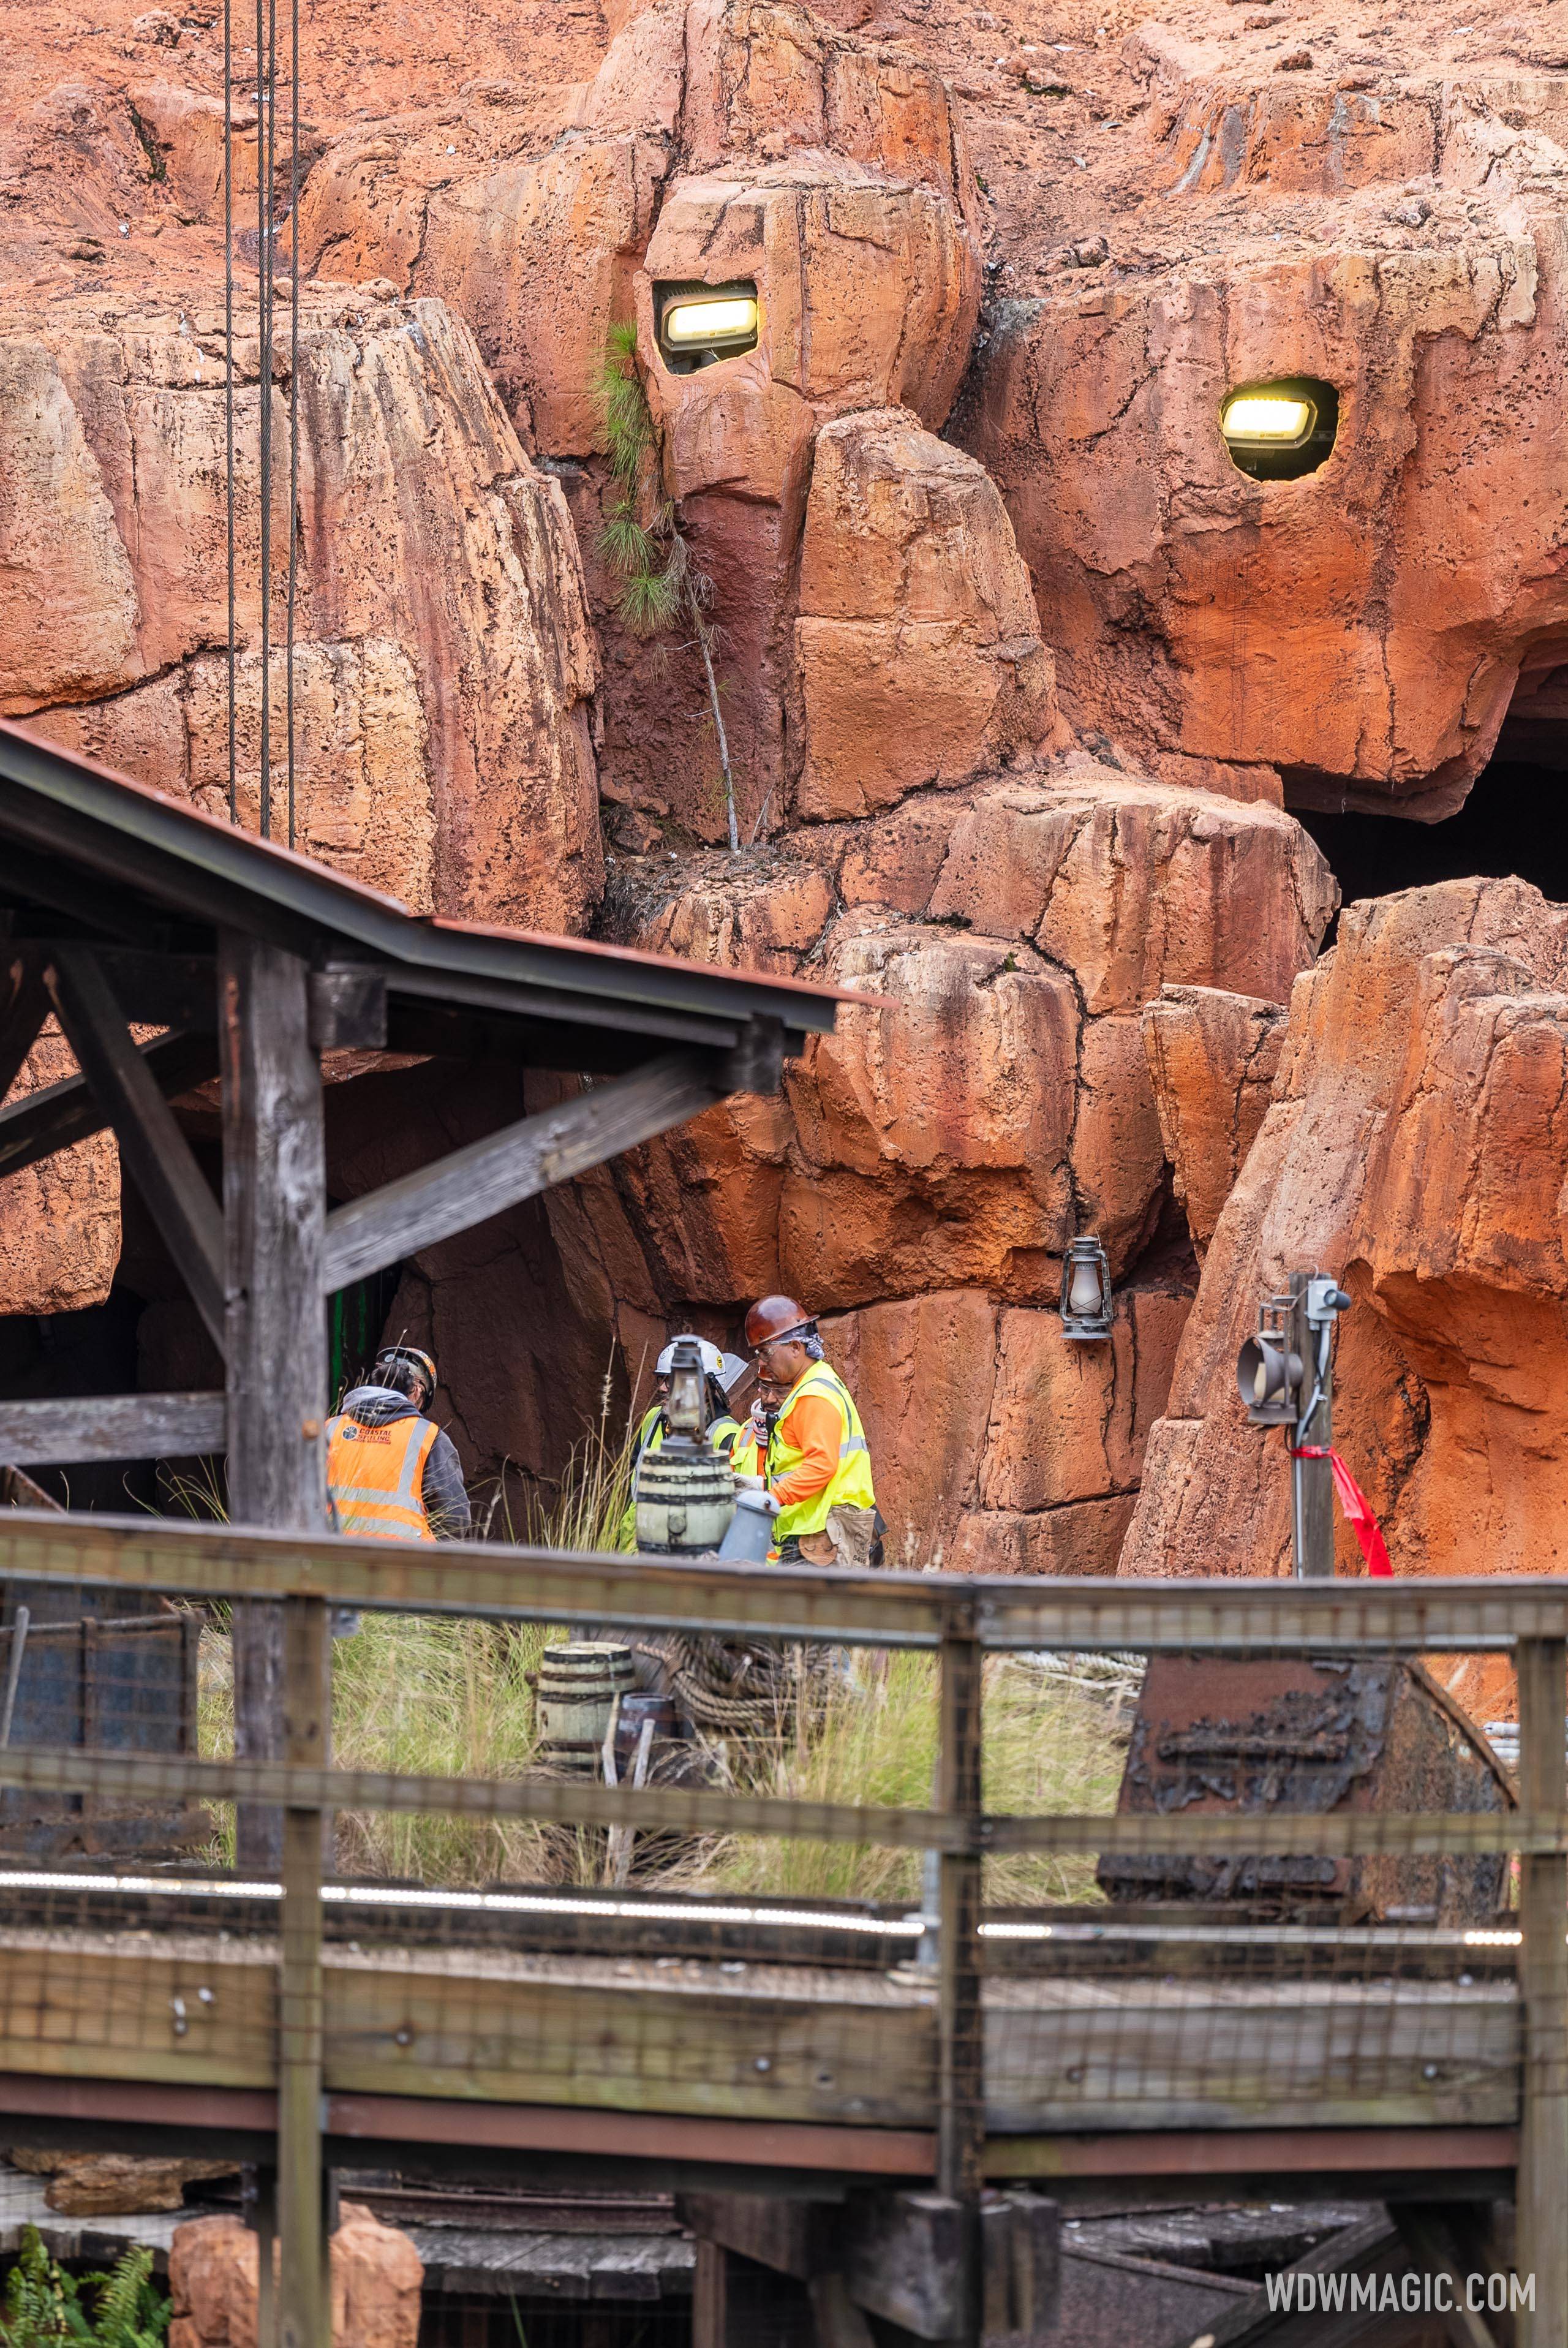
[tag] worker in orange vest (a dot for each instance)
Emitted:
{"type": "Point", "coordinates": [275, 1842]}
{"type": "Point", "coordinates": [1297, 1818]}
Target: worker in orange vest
{"type": "Point", "coordinates": [390, 1471]}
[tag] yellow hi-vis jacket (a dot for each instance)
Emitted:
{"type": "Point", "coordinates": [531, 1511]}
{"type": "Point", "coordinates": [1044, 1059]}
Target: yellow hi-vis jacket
{"type": "Point", "coordinates": [850, 1484]}
{"type": "Point", "coordinates": [651, 1437]}
{"type": "Point", "coordinates": [375, 1475]}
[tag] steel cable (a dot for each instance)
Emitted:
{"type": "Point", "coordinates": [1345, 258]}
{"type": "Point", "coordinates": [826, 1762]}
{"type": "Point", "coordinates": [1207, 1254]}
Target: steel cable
{"type": "Point", "coordinates": [293, 391]}
{"type": "Point", "coordinates": [228, 365]}
{"type": "Point", "coordinates": [266, 82]}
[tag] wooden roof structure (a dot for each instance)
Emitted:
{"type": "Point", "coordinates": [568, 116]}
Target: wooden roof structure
{"type": "Point", "coordinates": [121, 908]}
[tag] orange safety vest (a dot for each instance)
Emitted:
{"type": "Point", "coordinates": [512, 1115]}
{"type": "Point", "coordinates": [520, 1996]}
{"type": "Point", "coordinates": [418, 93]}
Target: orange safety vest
{"type": "Point", "coordinates": [374, 1477]}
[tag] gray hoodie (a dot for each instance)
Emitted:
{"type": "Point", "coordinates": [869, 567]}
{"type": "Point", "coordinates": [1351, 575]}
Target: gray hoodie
{"type": "Point", "coordinates": [445, 1500]}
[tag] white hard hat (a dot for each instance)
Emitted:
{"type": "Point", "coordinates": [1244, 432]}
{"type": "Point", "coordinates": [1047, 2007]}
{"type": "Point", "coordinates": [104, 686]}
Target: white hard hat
{"type": "Point", "coordinates": [732, 1368]}
{"type": "Point", "coordinates": [712, 1359]}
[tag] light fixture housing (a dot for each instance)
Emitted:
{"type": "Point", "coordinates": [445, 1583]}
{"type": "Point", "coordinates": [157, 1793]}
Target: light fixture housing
{"type": "Point", "coordinates": [1270, 1373]}
{"type": "Point", "coordinates": [1279, 431]}
{"type": "Point", "coordinates": [700, 324]}
{"type": "Point", "coordinates": [1087, 1308]}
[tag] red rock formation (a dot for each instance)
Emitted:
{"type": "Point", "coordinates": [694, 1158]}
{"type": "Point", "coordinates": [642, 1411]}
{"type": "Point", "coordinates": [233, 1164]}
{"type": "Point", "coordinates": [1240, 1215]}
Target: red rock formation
{"type": "Point", "coordinates": [945, 1143]}
{"type": "Point", "coordinates": [444, 658]}
{"type": "Point", "coordinates": [1212, 1059]}
{"type": "Point", "coordinates": [59, 1234]}
{"type": "Point", "coordinates": [377, 2275]}
{"type": "Point", "coordinates": [1415, 1147]}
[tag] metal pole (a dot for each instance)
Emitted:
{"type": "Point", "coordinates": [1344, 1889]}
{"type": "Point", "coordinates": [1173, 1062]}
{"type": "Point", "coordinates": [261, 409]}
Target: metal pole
{"type": "Point", "coordinates": [1312, 1480]}
{"type": "Point", "coordinates": [1542, 2237]}
{"type": "Point", "coordinates": [305, 2310]}
{"type": "Point", "coordinates": [961, 2086]}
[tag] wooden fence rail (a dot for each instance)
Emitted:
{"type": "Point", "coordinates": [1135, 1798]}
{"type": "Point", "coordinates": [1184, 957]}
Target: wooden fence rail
{"type": "Point", "coordinates": [960, 1618]}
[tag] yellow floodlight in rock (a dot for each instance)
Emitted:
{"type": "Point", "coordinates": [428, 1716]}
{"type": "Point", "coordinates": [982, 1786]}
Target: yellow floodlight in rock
{"type": "Point", "coordinates": [1266, 416]}
{"type": "Point", "coordinates": [699, 325]}
{"type": "Point", "coordinates": [1278, 431]}
{"type": "Point", "coordinates": [733, 319]}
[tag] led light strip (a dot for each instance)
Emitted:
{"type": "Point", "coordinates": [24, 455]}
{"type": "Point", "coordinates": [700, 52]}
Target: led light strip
{"type": "Point", "coordinates": [667, 1912]}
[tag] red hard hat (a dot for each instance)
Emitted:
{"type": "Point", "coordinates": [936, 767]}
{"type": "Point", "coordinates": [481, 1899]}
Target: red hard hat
{"type": "Point", "coordinates": [774, 1317]}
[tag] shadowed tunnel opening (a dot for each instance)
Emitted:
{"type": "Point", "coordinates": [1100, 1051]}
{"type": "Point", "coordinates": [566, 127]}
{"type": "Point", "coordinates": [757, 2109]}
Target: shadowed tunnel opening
{"type": "Point", "coordinates": [1515, 820]}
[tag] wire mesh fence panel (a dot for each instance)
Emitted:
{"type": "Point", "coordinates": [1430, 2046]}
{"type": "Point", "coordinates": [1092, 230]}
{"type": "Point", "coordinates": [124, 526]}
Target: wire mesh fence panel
{"type": "Point", "coordinates": [810, 1865]}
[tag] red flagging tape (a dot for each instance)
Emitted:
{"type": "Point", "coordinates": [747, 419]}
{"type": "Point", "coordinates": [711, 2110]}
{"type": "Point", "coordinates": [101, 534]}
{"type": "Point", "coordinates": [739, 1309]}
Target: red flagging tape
{"type": "Point", "coordinates": [1358, 1508]}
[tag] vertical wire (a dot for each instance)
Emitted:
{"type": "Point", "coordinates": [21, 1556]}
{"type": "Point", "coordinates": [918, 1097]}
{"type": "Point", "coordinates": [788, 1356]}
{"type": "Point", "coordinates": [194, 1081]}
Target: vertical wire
{"type": "Point", "coordinates": [228, 365]}
{"type": "Point", "coordinates": [293, 386]}
{"type": "Point", "coordinates": [266, 58]}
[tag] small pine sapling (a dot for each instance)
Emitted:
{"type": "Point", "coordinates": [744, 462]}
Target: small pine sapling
{"type": "Point", "coordinates": [651, 556]}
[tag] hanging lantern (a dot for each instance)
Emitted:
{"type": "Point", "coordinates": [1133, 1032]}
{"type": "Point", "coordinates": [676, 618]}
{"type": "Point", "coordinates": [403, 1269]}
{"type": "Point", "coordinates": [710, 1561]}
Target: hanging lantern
{"type": "Point", "coordinates": [1086, 1289]}
{"type": "Point", "coordinates": [1269, 1371]}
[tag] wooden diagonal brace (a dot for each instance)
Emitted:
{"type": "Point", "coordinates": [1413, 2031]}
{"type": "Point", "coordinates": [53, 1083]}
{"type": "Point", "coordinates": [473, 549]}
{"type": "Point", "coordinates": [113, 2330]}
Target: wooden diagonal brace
{"type": "Point", "coordinates": [57, 1116]}
{"type": "Point", "coordinates": [533, 1155]}
{"type": "Point", "coordinates": [156, 1153]}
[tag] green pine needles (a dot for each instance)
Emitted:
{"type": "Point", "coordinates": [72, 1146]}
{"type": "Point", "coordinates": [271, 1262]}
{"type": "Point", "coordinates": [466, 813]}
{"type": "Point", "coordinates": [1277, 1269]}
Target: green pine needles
{"type": "Point", "coordinates": [642, 538]}
{"type": "Point", "coordinates": [44, 2304]}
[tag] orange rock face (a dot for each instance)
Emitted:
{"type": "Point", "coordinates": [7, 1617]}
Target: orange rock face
{"type": "Point", "coordinates": [377, 2275]}
{"type": "Point", "coordinates": [1014, 715]}
{"type": "Point", "coordinates": [995, 1098]}
{"type": "Point", "coordinates": [444, 662]}
{"type": "Point", "coordinates": [1415, 1145]}
{"type": "Point", "coordinates": [1212, 1059]}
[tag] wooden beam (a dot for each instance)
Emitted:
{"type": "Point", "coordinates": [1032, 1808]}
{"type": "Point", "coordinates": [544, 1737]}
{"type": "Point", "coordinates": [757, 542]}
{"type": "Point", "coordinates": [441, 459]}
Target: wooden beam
{"type": "Point", "coordinates": [154, 1151]}
{"type": "Point", "coordinates": [533, 1155]}
{"type": "Point", "coordinates": [56, 1116]}
{"type": "Point", "coordinates": [273, 1201]}
{"type": "Point", "coordinates": [110, 1426]}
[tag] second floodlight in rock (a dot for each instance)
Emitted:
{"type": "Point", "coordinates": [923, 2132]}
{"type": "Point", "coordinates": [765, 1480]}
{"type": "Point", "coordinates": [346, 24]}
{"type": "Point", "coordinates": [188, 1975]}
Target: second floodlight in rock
{"type": "Point", "coordinates": [1086, 1289]}
{"type": "Point", "coordinates": [1279, 431]}
{"type": "Point", "coordinates": [699, 325]}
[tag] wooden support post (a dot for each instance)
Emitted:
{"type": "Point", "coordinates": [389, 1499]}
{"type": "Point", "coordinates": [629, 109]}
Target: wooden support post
{"type": "Point", "coordinates": [274, 1204]}
{"type": "Point", "coordinates": [1542, 2246]}
{"type": "Point", "coordinates": [961, 2085]}
{"type": "Point", "coordinates": [304, 2298]}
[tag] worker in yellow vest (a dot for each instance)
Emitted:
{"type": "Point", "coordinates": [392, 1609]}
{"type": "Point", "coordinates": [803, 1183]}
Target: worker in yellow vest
{"type": "Point", "coordinates": [720, 1372]}
{"type": "Point", "coordinates": [391, 1472]}
{"type": "Point", "coordinates": [818, 1464]}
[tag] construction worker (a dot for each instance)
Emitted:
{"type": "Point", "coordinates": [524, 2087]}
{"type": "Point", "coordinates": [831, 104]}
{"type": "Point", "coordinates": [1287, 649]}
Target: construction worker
{"type": "Point", "coordinates": [390, 1471]}
{"type": "Point", "coordinates": [818, 1467]}
{"type": "Point", "coordinates": [720, 1372]}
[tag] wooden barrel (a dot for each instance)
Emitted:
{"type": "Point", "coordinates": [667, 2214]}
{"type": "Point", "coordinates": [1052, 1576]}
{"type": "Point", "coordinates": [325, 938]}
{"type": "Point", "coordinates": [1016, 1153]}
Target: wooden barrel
{"type": "Point", "coordinates": [578, 1684]}
{"type": "Point", "coordinates": [686, 1498]}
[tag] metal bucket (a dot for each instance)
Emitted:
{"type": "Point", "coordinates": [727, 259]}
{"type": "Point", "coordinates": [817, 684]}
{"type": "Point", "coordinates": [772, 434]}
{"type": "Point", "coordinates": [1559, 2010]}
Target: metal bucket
{"type": "Point", "coordinates": [750, 1534]}
{"type": "Point", "coordinates": [686, 1500]}
{"type": "Point", "coordinates": [578, 1684]}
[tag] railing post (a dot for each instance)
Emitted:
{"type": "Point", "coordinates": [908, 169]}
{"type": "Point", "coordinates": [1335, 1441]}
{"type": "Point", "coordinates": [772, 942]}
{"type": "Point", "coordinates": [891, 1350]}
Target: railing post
{"type": "Point", "coordinates": [305, 2308]}
{"type": "Point", "coordinates": [961, 2081]}
{"type": "Point", "coordinates": [1542, 2237]}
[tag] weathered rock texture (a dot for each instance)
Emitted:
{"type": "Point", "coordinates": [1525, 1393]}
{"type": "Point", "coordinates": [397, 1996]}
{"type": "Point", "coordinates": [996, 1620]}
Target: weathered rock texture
{"type": "Point", "coordinates": [1058, 234]}
{"type": "Point", "coordinates": [1415, 1146]}
{"type": "Point", "coordinates": [938, 1151]}
{"type": "Point", "coordinates": [1211, 1059]}
{"type": "Point", "coordinates": [377, 2275]}
{"type": "Point", "coordinates": [114, 2184]}
{"type": "Point", "coordinates": [59, 1219]}
{"type": "Point", "coordinates": [444, 658]}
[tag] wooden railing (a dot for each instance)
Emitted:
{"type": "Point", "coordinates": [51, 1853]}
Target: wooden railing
{"type": "Point", "coordinates": [957, 1618]}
